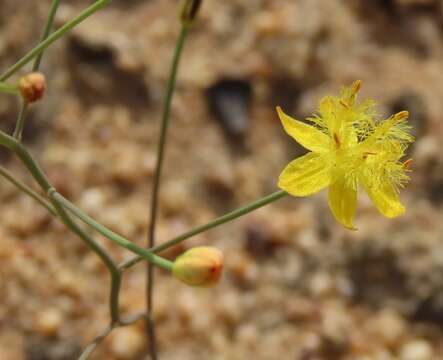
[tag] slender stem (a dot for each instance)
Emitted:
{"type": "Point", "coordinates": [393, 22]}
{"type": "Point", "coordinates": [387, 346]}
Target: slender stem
{"type": "Point", "coordinates": [212, 224]}
{"type": "Point", "coordinates": [26, 189]}
{"type": "Point", "coordinates": [20, 123]}
{"type": "Point", "coordinates": [105, 257]}
{"type": "Point", "coordinates": [156, 184]}
{"type": "Point", "coordinates": [154, 259]}
{"type": "Point", "coordinates": [46, 31]}
{"type": "Point", "coordinates": [8, 89]}
{"type": "Point", "coordinates": [89, 349]}
{"type": "Point", "coordinates": [114, 295]}
{"type": "Point", "coordinates": [222, 219]}
{"type": "Point", "coordinates": [53, 37]}
{"type": "Point", "coordinates": [23, 154]}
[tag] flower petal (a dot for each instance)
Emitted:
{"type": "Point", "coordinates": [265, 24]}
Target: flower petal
{"type": "Point", "coordinates": [305, 175]}
{"type": "Point", "coordinates": [342, 200]}
{"type": "Point", "coordinates": [306, 135]}
{"type": "Point", "coordinates": [385, 199]}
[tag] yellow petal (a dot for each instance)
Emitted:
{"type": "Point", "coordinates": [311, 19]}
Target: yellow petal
{"type": "Point", "coordinates": [343, 202]}
{"type": "Point", "coordinates": [305, 175]}
{"type": "Point", "coordinates": [385, 199]}
{"type": "Point", "coordinates": [306, 135]}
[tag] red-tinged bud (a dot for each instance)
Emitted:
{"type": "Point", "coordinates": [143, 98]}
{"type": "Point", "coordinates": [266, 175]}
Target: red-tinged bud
{"type": "Point", "coordinates": [32, 86]}
{"type": "Point", "coordinates": [199, 266]}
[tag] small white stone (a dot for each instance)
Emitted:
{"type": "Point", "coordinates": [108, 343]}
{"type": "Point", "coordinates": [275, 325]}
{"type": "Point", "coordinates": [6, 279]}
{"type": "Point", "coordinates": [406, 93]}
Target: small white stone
{"type": "Point", "coordinates": [416, 350]}
{"type": "Point", "coordinates": [127, 343]}
{"type": "Point", "coordinates": [47, 322]}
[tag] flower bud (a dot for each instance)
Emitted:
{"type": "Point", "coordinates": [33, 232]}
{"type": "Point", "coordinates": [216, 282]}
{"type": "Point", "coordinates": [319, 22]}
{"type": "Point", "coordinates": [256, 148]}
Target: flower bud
{"type": "Point", "coordinates": [32, 86]}
{"type": "Point", "coordinates": [189, 11]}
{"type": "Point", "coordinates": [199, 266]}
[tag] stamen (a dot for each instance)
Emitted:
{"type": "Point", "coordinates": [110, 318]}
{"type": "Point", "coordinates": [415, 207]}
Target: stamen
{"type": "Point", "coordinates": [342, 103]}
{"type": "Point", "coordinates": [366, 153]}
{"type": "Point", "coordinates": [407, 164]}
{"type": "Point", "coordinates": [337, 140]}
{"type": "Point", "coordinates": [356, 86]}
{"type": "Point", "coordinates": [401, 115]}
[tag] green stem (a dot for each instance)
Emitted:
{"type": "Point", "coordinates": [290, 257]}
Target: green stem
{"type": "Point", "coordinates": [212, 224]}
{"type": "Point", "coordinates": [20, 123]}
{"type": "Point", "coordinates": [222, 219]}
{"type": "Point", "coordinates": [53, 37]}
{"type": "Point", "coordinates": [8, 89]}
{"type": "Point", "coordinates": [46, 31]}
{"type": "Point", "coordinates": [23, 154]}
{"type": "Point", "coordinates": [156, 183]}
{"type": "Point", "coordinates": [120, 240]}
{"type": "Point", "coordinates": [26, 189]}
{"type": "Point", "coordinates": [89, 349]}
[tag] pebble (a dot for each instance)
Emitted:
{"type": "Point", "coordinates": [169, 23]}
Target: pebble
{"type": "Point", "coordinates": [321, 284]}
{"type": "Point", "coordinates": [230, 308]}
{"type": "Point", "coordinates": [389, 326]}
{"type": "Point", "coordinates": [127, 343]}
{"type": "Point", "coordinates": [248, 334]}
{"type": "Point", "coordinates": [243, 270]}
{"type": "Point", "coordinates": [416, 350]}
{"type": "Point", "coordinates": [175, 197]}
{"type": "Point", "coordinates": [48, 322]}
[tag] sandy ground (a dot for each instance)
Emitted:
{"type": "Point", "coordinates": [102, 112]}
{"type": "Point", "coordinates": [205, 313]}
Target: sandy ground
{"type": "Point", "coordinates": [296, 284]}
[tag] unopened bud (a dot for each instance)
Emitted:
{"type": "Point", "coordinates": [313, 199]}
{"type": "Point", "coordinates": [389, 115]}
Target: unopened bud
{"type": "Point", "coordinates": [32, 86]}
{"type": "Point", "coordinates": [199, 266]}
{"type": "Point", "coordinates": [189, 11]}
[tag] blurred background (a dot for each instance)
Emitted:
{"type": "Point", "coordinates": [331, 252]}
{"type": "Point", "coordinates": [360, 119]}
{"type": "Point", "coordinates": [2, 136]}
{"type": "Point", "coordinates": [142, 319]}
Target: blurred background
{"type": "Point", "coordinates": [296, 285]}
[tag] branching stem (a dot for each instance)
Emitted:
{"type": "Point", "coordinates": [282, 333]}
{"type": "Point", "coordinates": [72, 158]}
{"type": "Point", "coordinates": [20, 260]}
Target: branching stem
{"type": "Point", "coordinates": [53, 37]}
{"type": "Point", "coordinates": [156, 185]}
{"type": "Point", "coordinates": [93, 344]}
{"type": "Point", "coordinates": [23, 154]}
{"type": "Point", "coordinates": [146, 254]}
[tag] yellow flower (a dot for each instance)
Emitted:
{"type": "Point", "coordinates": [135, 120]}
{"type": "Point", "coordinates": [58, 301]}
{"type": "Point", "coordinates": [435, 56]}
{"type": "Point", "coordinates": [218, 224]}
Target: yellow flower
{"type": "Point", "coordinates": [349, 147]}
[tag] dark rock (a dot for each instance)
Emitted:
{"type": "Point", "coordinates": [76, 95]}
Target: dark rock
{"type": "Point", "coordinates": [229, 100]}
{"type": "Point", "coordinates": [285, 93]}
{"type": "Point", "coordinates": [376, 276]}
{"type": "Point", "coordinates": [98, 79]}
{"type": "Point", "coordinates": [260, 240]}
{"type": "Point", "coordinates": [430, 310]}
{"type": "Point", "coordinates": [38, 348]}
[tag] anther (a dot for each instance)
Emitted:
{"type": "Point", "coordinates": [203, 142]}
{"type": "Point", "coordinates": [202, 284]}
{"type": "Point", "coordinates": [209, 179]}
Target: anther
{"type": "Point", "coordinates": [367, 153]}
{"type": "Point", "coordinates": [356, 86]}
{"type": "Point", "coordinates": [401, 115]}
{"type": "Point", "coordinates": [342, 103]}
{"type": "Point", "coordinates": [337, 140]}
{"type": "Point", "coordinates": [407, 164]}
